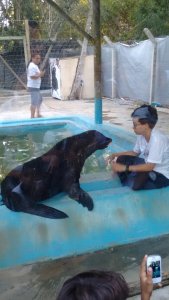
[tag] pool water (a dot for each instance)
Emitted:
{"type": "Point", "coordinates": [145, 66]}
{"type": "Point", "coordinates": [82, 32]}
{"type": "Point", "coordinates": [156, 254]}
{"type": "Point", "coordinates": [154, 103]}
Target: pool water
{"type": "Point", "coordinates": [21, 144]}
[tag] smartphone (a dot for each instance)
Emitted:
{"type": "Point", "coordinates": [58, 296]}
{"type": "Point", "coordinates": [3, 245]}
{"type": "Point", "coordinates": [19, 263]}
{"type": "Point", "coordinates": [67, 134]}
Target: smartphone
{"type": "Point", "coordinates": [154, 261]}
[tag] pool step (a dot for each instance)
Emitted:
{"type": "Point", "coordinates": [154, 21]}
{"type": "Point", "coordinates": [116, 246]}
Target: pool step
{"type": "Point", "coordinates": [99, 181]}
{"type": "Point", "coordinates": [120, 216]}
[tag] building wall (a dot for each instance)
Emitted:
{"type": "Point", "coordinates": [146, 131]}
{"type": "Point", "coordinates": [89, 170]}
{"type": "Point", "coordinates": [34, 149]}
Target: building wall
{"type": "Point", "coordinates": [68, 69]}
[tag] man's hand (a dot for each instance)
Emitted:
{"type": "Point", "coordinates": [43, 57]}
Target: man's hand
{"type": "Point", "coordinates": [42, 73]}
{"type": "Point", "coordinates": [116, 167]}
{"type": "Point", "coordinates": [146, 283]}
{"type": "Point", "coordinates": [110, 158]}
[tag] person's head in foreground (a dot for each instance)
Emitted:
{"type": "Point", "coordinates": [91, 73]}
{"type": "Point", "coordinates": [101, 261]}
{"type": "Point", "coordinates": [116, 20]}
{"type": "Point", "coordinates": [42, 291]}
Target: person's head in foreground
{"type": "Point", "coordinates": [144, 117]}
{"type": "Point", "coordinates": [95, 285]}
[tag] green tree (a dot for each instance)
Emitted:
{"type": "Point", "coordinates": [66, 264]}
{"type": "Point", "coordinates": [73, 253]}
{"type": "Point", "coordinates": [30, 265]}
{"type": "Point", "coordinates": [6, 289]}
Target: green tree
{"type": "Point", "coordinates": [117, 20]}
{"type": "Point", "coordinates": [121, 20]}
{"type": "Point", "coordinates": [153, 14]}
{"type": "Point", "coordinates": [124, 20]}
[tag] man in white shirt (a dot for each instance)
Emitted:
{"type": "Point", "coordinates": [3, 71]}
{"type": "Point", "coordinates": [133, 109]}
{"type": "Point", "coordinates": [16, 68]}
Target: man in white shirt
{"type": "Point", "coordinates": [33, 84]}
{"type": "Point", "coordinates": [147, 165]}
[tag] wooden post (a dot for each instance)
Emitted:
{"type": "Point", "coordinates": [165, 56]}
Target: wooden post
{"type": "Point", "coordinates": [25, 51]}
{"type": "Point", "coordinates": [10, 38]}
{"type": "Point", "coordinates": [97, 62]}
{"type": "Point", "coordinates": [27, 40]}
{"type": "Point", "coordinates": [77, 86]}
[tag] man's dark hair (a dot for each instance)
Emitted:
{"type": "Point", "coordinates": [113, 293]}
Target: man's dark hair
{"type": "Point", "coordinates": [33, 54]}
{"type": "Point", "coordinates": [33, 24]}
{"type": "Point", "coordinates": [95, 285]}
{"type": "Point", "coordinates": [150, 117]}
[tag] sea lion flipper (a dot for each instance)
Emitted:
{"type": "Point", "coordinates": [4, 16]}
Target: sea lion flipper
{"type": "Point", "coordinates": [86, 200]}
{"type": "Point", "coordinates": [20, 202]}
{"type": "Point", "coordinates": [44, 211]}
{"type": "Point", "coordinates": [82, 197]}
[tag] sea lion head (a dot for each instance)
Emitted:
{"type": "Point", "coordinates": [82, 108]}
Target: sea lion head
{"type": "Point", "coordinates": [82, 145]}
{"type": "Point", "coordinates": [95, 140]}
{"type": "Point", "coordinates": [101, 140]}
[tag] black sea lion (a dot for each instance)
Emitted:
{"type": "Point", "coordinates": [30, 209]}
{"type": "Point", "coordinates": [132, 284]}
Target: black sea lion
{"type": "Point", "coordinates": [56, 171]}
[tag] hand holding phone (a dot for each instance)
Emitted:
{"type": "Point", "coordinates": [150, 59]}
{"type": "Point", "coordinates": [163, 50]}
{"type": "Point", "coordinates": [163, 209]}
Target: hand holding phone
{"type": "Point", "coordinates": [154, 262]}
{"type": "Point", "coordinates": [146, 283]}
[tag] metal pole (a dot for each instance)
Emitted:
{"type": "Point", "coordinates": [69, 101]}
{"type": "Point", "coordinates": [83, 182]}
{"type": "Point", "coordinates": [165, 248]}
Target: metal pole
{"type": "Point", "coordinates": [97, 62]}
{"type": "Point", "coordinates": [114, 66]}
{"type": "Point", "coordinates": [154, 62]}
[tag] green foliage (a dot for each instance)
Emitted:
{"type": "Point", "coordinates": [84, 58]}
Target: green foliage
{"type": "Point", "coordinates": [153, 14]}
{"type": "Point", "coordinates": [121, 20]}
{"type": "Point", "coordinates": [117, 18]}
{"type": "Point", "coordinates": [73, 9]}
{"type": "Point", "coordinates": [124, 20]}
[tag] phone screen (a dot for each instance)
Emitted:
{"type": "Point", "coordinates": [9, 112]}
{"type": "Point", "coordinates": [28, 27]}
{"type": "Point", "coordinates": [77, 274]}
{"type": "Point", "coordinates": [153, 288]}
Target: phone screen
{"type": "Point", "coordinates": [155, 265]}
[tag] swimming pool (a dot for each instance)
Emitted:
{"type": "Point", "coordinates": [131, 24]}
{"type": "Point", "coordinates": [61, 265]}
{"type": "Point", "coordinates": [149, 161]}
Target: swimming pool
{"type": "Point", "coordinates": [120, 215]}
{"type": "Point", "coordinates": [21, 144]}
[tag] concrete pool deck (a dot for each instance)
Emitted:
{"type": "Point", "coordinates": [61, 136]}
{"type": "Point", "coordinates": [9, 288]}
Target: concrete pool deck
{"type": "Point", "coordinates": [40, 281]}
{"type": "Point", "coordinates": [116, 111]}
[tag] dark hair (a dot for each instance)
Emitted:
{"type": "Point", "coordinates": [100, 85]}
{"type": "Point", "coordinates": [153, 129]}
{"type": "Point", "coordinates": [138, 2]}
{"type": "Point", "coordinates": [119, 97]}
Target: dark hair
{"type": "Point", "coordinates": [33, 54]}
{"type": "Point", "coordinates": [151, 118]}
{"type": "Point", "coordinates": [95, 285]}
{"type": "Point", "coordinates": [33, 23]}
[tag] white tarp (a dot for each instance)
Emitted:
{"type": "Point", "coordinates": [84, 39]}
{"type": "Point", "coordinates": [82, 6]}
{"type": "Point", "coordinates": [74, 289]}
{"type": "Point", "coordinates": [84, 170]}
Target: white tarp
{"type": "Point", "coordinates": [162, 72]}
{"type": "Point", "coordinates": [55, 78]}
{"type": "Point", "coordinates": [134, 70]}
{"type": "Point", "coordinates": [127, 71]}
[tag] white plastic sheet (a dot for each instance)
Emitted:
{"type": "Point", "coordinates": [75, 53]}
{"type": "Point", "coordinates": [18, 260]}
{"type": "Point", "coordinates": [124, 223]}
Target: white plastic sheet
{"type": "Point", "coordinates": [127, 71]}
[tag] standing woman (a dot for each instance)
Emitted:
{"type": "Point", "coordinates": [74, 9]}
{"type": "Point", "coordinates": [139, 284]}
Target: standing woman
{"type": "Point", "coordinates": [33, 84]}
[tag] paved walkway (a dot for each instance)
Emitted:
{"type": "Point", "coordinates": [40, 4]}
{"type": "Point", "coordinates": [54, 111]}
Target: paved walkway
{"type": "Point", "coordinates": [115, 111]}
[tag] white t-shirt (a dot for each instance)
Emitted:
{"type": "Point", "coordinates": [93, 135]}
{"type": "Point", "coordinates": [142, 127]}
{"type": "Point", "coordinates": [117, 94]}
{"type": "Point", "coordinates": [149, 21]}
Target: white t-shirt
{"type": "Point", "coordinates": [32, 71]}
{"type": "Point", "coordinates": [155, 151]}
